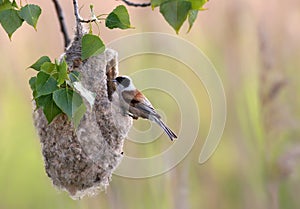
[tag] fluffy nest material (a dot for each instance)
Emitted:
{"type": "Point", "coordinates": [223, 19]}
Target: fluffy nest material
{"type": "Point", "coordinates": [82, 161]}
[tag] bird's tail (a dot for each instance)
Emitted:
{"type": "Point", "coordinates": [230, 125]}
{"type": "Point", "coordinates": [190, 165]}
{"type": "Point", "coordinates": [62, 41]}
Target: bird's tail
{"type": "Point", "coordinates": [168, 131]}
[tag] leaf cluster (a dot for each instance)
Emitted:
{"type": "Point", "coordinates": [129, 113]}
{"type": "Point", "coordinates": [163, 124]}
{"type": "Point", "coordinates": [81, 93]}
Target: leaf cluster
{"type": "Point", "coordinates": [53, 90]}
{"type": "Point", "coordinates": [58, 90]}
{"type": "Point", "coordinates": [176, 12]}
{"type": "Point", "coordinates": [12, 16]}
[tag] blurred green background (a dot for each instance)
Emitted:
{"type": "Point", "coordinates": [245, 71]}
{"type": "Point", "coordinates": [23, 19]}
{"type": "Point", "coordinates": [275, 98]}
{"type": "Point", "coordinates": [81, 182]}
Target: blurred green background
{"type": "Point", "coordinates": [255, 47]}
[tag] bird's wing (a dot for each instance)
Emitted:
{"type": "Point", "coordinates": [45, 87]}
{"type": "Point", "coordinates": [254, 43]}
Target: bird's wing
{"type": "Point", "coordinates": [140, 103]}
{"type": "Point", "coordinates": [128, 97]}
{"type": "Point", "coordinates": [140, 106]}
{"type": "Point", "coordinates": [146, 106]}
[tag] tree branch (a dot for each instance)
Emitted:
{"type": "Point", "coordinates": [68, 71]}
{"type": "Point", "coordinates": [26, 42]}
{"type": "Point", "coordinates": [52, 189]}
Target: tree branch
{"type": "Point", "coordinates": [79, 19]}
{"type": "Point", "coordinates": [136, 4]}
{"type": "Point", "coordinates": [87, 21]}
{"type": "Point", "coordinates": [76, 12]}
{"type": "Point", "coordinates": [62, 23]}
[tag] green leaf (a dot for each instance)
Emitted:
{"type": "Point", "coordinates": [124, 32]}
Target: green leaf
{"type": "Point", "coordinates": [30, 13]}
{"type": "Point", "coordinates": [42, 100]}
{"type": "Point", "coordinates": [62, 69]}
{"type": "Point", "coordinates": [32, 83]}
{"type": "Point", "coordinates": [5, 5]}
{"type": "Point", "coordinates": [49, 68]}
{"type": "Point", "coordinates": [50, 109]}
{"type": "Point", "coordinates": [91, 46]}
{"type": "Point", "coordinates": [10, 21]}
{"type": "Point", "coordinates": [118, 18]}
{"type": "Point", "coordinates": [45, 84]}
{"type": "Point", "coordinates": [197, 4]}
{"type": "Point", "coordinates": [78, 115]}
{"type": "Point", "coordinates": [63, 99]}
{"type": "Point", "coordinates": [156, 3]}
{"type": "Point", "coordinates": [68, 101]}
{"type": "Point", "coordinates": [37, 65]}
{"type": "Point", "coordinates": [192, 17]}
{"type": "Point", "coordinates": [175, 12]}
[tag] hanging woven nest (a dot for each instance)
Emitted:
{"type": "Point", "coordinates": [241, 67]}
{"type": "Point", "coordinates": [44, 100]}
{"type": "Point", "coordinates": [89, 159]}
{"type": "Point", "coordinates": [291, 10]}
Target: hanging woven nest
{"type": "Point", "coordinates": [81, 161]}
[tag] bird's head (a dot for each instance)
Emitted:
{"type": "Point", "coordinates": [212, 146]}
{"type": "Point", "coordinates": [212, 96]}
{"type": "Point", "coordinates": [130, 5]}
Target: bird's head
{"type": "Point", "coordinates": [124, 83]}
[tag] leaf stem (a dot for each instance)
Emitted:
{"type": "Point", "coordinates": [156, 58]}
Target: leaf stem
{"type": "Point", "coordinates": [102, 15]}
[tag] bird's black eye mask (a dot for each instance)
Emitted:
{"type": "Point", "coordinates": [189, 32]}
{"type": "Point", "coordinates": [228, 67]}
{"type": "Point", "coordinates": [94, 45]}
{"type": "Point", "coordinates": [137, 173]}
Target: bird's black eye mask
{"type": "Point", "coordinates": [123, 81]}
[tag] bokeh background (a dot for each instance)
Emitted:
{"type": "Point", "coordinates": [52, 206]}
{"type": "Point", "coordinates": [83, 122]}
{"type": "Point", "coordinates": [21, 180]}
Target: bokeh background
{"type": "Point", "coordinates": [255, 46]}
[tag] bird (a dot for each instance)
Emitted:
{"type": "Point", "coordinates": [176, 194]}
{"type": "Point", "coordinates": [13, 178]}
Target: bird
{"type": "Point", "coordinates": [136, 105]}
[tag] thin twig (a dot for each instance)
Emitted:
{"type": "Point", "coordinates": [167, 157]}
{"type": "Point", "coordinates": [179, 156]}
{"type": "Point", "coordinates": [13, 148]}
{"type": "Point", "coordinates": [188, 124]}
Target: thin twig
{"type": "Point", "coordinates": [79, 19]}
{"type": "Point", "coordinates": [136, 4]}
{"type": "Point", "coordinates": [87, 21]}
{"type": "Point", "coordinates": [62, 23]}
{"type": "Point", "coordinates": [76, 12]}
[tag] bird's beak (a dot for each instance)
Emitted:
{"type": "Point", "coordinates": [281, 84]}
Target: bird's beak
{"type": "Point", "coordinates": [114, 80]}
